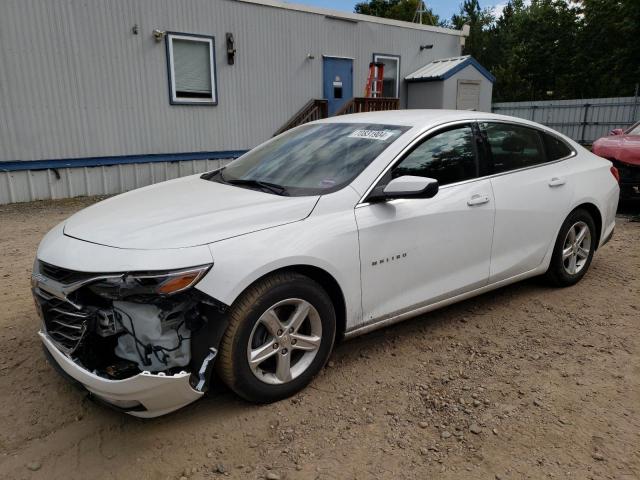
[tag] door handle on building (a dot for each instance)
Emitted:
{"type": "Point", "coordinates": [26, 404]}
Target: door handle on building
{"type": "Point", "coordinates": [478, 199]}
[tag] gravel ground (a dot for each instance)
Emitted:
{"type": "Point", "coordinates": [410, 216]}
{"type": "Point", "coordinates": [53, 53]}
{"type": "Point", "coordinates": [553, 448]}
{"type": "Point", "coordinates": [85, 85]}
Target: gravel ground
{"type": "Point", "coordinates": [523, 382]}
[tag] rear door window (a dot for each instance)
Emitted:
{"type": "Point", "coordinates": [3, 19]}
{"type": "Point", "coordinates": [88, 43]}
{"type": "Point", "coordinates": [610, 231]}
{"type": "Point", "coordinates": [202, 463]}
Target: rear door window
{"type": "Point", "coordinates": [512, 146]}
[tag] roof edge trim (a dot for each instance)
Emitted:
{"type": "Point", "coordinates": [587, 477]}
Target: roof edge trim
{"type": "Point", "coordinates": [469, 61]}
{"type": "Point", "coordinates": [20, 165]}
{"type": "Point", "coordinates": [353, 17]}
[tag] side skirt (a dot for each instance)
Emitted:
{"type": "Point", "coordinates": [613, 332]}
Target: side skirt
{"type": "Point", "coordinates": [416, 310]}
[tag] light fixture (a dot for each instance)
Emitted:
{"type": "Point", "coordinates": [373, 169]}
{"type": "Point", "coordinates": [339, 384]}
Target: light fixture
{"type": "Point", "coordinates": [231, 49]}
{"type": "Point", "coordinates": [426, 47]}
{"type": "Point", "coordinates": [158, 35]}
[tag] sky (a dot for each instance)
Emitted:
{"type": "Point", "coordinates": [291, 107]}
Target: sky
{"type": "Point", "coordinates": [444, 8]}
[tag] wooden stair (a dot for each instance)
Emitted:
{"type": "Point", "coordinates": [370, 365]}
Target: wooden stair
{"type": "Point", "coordinates": [313, 110]}
{"type": "Point", "coordinates": [316, 109]}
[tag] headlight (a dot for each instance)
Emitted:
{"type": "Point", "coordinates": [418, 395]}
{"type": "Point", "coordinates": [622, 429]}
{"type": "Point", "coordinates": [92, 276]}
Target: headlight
{"type": "Point", "coordinates": [149, 283]}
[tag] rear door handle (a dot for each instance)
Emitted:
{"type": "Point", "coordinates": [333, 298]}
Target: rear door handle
{"type": "Point", "coordinates": [557, 181]}
{"type": "Point", "coordinates": [478, 199]}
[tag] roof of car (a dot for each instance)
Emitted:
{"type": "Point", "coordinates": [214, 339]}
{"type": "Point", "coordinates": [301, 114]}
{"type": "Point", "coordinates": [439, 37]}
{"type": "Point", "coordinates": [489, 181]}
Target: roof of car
{"type": "Point", "coordinates": [417, 118]}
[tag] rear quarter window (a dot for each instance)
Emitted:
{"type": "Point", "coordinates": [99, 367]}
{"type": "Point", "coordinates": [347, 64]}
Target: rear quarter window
{"type": "Point", "coordinates": [556, 148]}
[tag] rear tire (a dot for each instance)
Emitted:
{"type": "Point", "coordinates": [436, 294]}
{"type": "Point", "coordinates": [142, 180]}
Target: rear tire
{"type": "Point", "coordinates": [281, 333]}
{"type": "Point", "coordinates": [573, 250]}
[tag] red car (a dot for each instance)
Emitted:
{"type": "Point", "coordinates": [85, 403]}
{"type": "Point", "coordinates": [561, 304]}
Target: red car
{"type": "Point", "coordinates": [622, 147]}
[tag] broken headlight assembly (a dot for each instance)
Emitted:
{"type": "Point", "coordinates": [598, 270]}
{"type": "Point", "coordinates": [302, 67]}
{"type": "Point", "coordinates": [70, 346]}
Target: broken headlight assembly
{"type": "Point", "coordinates": [132, 286]}
{"type": "Point", "coordinates": [119, 323]}
{"type": "Point", "coordinates": [151, 313]}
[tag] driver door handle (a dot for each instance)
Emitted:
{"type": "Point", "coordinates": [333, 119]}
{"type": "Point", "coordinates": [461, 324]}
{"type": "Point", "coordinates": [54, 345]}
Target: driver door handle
{"type": "Point", "coordinates": [557, 181]}
{"type": "Point", "coordinates": [478, 199]}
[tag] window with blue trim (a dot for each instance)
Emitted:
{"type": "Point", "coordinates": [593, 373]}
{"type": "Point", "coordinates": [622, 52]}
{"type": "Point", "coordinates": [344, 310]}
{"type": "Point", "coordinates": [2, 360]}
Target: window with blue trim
{"type": "Point", "coordinates": [191, 64]}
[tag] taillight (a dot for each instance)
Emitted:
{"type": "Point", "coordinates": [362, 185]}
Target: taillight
{"type": "Point", "coordinates": [615, 173]}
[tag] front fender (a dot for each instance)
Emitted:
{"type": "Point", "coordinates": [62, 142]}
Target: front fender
{"type": "Point", "coordinates": [328, 242]}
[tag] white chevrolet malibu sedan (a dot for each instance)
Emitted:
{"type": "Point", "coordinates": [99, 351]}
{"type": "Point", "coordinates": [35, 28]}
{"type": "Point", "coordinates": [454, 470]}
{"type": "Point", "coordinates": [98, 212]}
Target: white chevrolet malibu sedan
{"type": "Point", "coordinates": [327, 231]}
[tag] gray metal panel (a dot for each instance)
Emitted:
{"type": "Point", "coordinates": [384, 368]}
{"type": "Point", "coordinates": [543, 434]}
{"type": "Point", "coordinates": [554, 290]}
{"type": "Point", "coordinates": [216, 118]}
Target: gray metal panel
{"type": "Point", "coordinates": [75, 82]}
{"type": "Point", "coordinates": [583, 120]}
{"type": "Point", "coordinates": [30, 185]}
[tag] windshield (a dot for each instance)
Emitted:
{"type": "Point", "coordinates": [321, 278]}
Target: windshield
{"type": "Point", "coordinates": [635, 130]}
{"type": "Point", "coordinates": [311, 159]}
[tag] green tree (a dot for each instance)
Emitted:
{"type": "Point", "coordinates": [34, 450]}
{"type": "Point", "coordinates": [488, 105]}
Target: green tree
{"type": "Point", "coordinates": [479, 21]}
{"type": "Point", "coordinates": [544, 49]}
{"type": "Point", "coordinates": [534, 50]}
{"type": "Point", "coordinates": [554, 49]}
{"type": "Point", "coordinates": [609, 40]}
{"type": "Point", "coordinates": [397, 10]}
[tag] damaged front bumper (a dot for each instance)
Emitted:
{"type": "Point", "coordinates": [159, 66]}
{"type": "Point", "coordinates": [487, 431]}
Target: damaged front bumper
{"type": "Point", "coordinates": [128, 326]}
{"type": "Point", "coordinates": [144, 395]}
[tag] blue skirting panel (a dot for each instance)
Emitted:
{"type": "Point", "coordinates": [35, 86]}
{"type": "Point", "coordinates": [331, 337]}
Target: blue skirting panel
{"type": "Point", "coordinates": [15, 166]}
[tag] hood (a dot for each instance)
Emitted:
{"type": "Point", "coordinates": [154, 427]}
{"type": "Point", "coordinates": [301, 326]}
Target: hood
{"type": "Point", "coordinates": [185, 212]}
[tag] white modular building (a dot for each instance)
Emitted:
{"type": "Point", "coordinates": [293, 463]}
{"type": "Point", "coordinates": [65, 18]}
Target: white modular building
{"type": "Point", "coordinates": [101, 97]}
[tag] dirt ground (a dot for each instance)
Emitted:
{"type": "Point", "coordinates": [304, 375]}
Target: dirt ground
{"type": "Point", "coordinates": [523, 382]}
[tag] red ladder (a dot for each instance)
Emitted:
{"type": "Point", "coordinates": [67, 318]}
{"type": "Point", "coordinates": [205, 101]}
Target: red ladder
{"type": "Point", "coordinates": [373, 88]}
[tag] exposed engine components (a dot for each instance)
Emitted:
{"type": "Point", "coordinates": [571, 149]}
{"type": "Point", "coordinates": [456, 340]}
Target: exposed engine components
{"type": "Point", "coordinates": [126, 325]}
{"type": "Point", "coordinates": [155, 339]}
{"type": "Point", "coordinates": [107, 323]}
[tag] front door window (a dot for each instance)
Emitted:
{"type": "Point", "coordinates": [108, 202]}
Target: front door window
{"type": "Point", "coordinates": [448, 157]}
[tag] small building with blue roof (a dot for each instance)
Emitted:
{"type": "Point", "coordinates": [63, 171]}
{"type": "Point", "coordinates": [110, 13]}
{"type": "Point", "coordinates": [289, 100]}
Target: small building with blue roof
{"type": "Point", "coordinates": [455, 83]}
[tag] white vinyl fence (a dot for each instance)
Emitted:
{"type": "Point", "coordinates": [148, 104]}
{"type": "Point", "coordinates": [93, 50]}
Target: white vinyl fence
{"type": "Point", "coordinates": [584, 120]}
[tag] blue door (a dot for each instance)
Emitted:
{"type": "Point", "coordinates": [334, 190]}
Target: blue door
{"type": "Point", "coordinates": [337, 82]}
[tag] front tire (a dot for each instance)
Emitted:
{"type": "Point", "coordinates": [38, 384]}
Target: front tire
{"type": "Point", "coordinates": [281, 333]}
{"type": "Point", "coordinates": [573, 250]}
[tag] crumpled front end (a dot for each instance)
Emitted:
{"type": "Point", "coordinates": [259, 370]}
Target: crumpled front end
{"type": "Point", "coordinates": [140, 342]}
{"type": "Point", "coordinates": [142, 395]}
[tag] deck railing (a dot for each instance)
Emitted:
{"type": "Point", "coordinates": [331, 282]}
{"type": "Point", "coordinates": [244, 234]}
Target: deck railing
{"type": "Point", "coordinates": [317, 109]}
{"type": "Point", "coordinates": [366, 104]}
{"type": "Point", "coordinates": [313, 110]}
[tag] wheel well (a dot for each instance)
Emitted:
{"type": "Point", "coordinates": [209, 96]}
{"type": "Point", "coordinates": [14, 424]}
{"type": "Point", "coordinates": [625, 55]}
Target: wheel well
{"type": "Point", "coordinates": [330, 285]}
{"type": "Point", "coordinates": [597, 218]}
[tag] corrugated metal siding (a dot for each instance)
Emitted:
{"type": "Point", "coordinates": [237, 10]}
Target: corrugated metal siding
{"type": "Point", "coordinates": [75, 82]}
{"type": "Point", "coordinates": [583, 120]}
{"type": "Point", "coordinates": [30, 185]}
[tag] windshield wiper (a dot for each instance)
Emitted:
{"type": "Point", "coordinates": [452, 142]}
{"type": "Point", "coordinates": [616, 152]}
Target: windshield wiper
{"type": "Point", "coordinates": [251, 182]}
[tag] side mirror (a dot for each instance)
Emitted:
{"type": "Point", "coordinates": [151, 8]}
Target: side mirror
{"type": "Point", "coordinates": [407, 186]}
{"type": "Point", "coordinates": [616, 131]}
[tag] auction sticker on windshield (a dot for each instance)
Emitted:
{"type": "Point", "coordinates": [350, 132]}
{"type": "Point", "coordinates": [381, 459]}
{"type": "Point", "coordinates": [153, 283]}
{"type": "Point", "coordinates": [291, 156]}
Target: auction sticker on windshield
{"type": "Point", "coordinates": [373, 134]}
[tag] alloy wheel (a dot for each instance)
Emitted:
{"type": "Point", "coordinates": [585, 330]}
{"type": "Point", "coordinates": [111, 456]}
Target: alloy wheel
{"type": "Point", "coordinates": [576, 249]}
{"type": "Point", "coordinates": [284, 341]}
